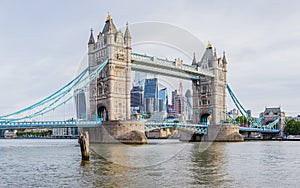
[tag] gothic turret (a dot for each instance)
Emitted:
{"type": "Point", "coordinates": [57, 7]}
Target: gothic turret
{"type": "Point", "coordinates": [91, 40]}
{"type": "Point", "coordinates": [209, 58]}
{"type": "Point", "coordinates": [127, 37]}
{"type": "Point", "coordinates": [127, 33]}
{"type": "Point", "coordinates": [194, 62]}
{"type": "Point", "coordinates": [224, 58]}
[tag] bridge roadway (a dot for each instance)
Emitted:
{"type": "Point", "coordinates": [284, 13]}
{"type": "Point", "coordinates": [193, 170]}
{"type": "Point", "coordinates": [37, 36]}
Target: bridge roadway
{"type": "Point", "coordinates": [49, 124]}
{"type": "Point", "coordinates": [198, 128]}
{"type": "Point", "coordinates": [144, 63]}
{"type": "Point", "coordinates": [203, 128]}
{"type": "Point", "coordinates": [261, 130]}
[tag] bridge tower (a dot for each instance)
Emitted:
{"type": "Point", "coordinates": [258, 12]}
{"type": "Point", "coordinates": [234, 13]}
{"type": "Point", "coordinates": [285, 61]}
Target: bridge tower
{"type": "Point", "coordinates": [110, 93]}
{"type": "Point", "coordinates": [209, 94]}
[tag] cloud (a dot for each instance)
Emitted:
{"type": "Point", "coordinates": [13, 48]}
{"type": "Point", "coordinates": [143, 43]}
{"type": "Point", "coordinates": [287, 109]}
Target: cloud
{"type": "Point", "coordinates": [42, 43]}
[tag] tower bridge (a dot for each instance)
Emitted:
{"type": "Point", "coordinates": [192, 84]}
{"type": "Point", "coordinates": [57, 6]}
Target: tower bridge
{"type": "Point", "coordinates": [107, 84]}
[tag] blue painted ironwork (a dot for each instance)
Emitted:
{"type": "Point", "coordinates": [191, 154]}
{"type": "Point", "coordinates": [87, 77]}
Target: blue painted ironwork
{"type": "Point", "coordinates": [201, 129]}
{"type": "Point", "coordinates": [49, 124]}
{"type": "Point", "coordinates": [255, 123]}
{"type": "Point", "coordinates": [56, 99]}
{"type": "Point", "coordinates": [261, 130]}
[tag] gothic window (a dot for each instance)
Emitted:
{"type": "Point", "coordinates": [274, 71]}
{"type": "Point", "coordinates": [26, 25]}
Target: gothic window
{"type": "Point", "coordinates": [116, 106]}
{"type": "Point", "coordinates": [204, 89]}
{"type": "Point", "coordinates": [123, 109]}
{"type": "Point", "coordinates": [94, 92]}
{"type": "Point", "coordinates": [100, 88]}
{"type": "Point", "coordinates": [106, 88]}
{"type": "Point", "coordinates": [120, 108]}
{"type": "Point", "coordinates": [221, 76]}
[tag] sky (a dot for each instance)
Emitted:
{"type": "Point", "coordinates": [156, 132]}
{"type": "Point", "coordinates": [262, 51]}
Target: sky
{"type": "Point", "coordinates": [42, 43]}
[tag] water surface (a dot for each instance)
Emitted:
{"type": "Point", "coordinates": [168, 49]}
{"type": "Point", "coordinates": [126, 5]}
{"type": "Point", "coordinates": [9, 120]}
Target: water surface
{"type": "Point", "coordinates": [162, 163]}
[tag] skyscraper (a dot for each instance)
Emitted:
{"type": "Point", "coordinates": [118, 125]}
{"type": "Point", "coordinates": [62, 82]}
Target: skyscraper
{"type": "Point", "coordinates": [163, 100]}
{"type": "Point", "coordinates": [177, 103]}
{"type": "Point", "coordinates": [189, 107]}
{"type": "Point", "coordinates": [151, 95]}
{"type": "Point", "coordinates": [80, 105]}
{"type": "Point", "coordinates": [136, 99]}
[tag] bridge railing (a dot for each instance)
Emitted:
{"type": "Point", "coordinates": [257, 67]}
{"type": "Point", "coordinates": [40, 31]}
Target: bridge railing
{"type": "Point", "coordinates": [197, 128]}
{"type": "Point", "coordinates": [49, 124]}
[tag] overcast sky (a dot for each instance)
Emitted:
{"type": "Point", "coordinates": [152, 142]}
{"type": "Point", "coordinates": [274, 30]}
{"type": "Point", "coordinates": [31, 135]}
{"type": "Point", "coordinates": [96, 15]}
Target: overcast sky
{"type": "Point", "coordinates": [43, 41]}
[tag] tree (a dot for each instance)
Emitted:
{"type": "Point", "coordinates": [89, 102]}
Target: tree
{"type": "Point", "coordinates": [292, 127]}
{"type": "Point", "coordinates": [242, 120]}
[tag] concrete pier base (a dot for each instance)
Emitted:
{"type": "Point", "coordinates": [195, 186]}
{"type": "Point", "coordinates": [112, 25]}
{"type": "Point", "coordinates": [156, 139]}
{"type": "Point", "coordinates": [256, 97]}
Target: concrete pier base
{"type": "Point", "coordinates": [128, 132]}
{"type": "Point", "coordinates": [189, 136]}
{"type": "Point", "coordinates": [223, 133]}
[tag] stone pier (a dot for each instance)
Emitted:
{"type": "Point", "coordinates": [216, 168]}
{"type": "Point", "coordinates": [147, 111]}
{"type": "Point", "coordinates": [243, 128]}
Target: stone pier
{"type": "Point", "coordinates": [217, 133]}
{"type": "Point", "coordinates": [128, 132]}
{"type": "Point", "coordinates": [223, 133]}
{"type": "Point", "coordinates": [189, 136]}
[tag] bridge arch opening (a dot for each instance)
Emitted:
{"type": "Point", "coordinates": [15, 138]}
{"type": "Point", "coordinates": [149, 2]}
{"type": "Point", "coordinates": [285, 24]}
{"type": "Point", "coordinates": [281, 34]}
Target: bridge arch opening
{"type": "Point", "coordinates": [102, 113]}
{"type": "Point", "coordinates": [205, 119]}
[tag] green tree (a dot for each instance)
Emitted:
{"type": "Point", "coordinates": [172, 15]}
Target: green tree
{"type": "Point", "coordinates": [292, 127]}
{"type": "Point", "coordinates": [242, 120]}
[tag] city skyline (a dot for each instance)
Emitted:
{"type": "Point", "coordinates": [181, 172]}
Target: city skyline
{"type": "Point", "coordinates": [41, 51]}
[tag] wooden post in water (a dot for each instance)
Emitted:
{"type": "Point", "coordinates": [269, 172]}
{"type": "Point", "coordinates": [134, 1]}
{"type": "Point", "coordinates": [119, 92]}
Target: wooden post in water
{"type": "Point", "coordinates": [83, 140]}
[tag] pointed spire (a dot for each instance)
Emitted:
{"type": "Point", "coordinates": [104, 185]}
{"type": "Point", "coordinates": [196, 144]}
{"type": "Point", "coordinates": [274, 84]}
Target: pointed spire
{"type": "Point", "coordinates": [91, 40]}
{"type": "Point", "coordinates": [209, 46]}
{"type": "Point", "coordinates": [224, 58]}
{"type": "Point", "coordinates": [108, 18]}
{"type": "Point", "coordinates": [194, 60]}
{"type": "Point", "coordinates": [127, 33]}
{"type": "Point", "coordinates": [109, 25]}
{"type": "Point", "coordinates": [215, 52]}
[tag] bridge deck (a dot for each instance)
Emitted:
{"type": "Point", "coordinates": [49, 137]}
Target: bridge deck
{"type": "Point", "coordinates": [149, 126]}
{"type": "Point", "coordinates": [166, 67]}
{"type": "Point", "coordinates": [48, 124]}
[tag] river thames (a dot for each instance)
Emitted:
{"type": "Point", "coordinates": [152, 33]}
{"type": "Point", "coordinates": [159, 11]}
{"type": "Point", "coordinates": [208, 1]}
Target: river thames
{"type": "Point", "coordinates": [161, 163]}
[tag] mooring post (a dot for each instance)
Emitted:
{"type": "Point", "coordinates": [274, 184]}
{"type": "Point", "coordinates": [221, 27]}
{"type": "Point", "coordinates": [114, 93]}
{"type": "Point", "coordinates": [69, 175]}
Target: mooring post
{"type": "Point", "coordinates": [83, 140]}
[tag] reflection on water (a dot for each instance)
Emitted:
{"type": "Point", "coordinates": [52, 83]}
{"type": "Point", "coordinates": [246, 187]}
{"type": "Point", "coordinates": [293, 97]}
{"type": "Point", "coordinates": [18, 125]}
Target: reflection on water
{"type": "Point", "coordinates": [162, 163]}
{"type": "Point", "coordinates": [209, 165]}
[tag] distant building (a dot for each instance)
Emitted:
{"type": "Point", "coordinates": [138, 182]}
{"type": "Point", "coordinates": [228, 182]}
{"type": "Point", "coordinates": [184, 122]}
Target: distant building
{"type": "Point", "coordinates": [69, 132]}
{"type": "Point", "coordinates": [80, 102]}
{"type": "Point", "coordinates": [177, 103]}
{"type": "Point", "coordinates": [163, 100]}
{"type": "Point", "coordinates": [297, 118]}
{"type": "Point", "coordinates": [188, 106]}
{"type": "Point", "coordinates": [10, 134]}
{"type": "Point", "coordinates": [234, 113]}
{"type": "Point", "coordinates": [151, 95]}
{"type": "Point", "coordinates": [169, 111]}
{"type": "Point", "coordinates": [140, 78]}
{"type": "Point", "coordinates": [136, 99]}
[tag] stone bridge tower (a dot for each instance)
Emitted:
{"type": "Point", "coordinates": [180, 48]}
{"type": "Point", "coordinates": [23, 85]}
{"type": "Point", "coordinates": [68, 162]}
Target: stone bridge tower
{"type": "Point", "coordinates": [110, 92]}
{"type": "Point", "coordinates": [209, 94]}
